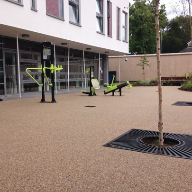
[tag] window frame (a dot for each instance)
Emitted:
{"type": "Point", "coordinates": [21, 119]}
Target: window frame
{"type": "Point", "coordinates": [124, 27]}
{"type": "Point", "coordinates": [118, 16]}
{"type": "Point", "coordinates": [18, 2]}
{"type": "Point", "coordinates": [75, 6]}
{"type": "Point", "coordinates": [99, 16]}
{"type": "Point", "coordinates": [34, 5]}
{"type": "Point", "coordinates": [109, 18]}
{"type": "Point", "coordinates": [61, 9]}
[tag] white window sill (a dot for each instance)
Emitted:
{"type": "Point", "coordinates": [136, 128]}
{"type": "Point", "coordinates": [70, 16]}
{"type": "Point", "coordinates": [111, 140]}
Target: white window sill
{"type": "Point", "coordinates": [60, 18]}
{"type": "Point", "coordinates": [100, 33]}
{"type": "Point", "coordinates": [33, 9]}
{"type": "Point", "coordinates": [75, 24]}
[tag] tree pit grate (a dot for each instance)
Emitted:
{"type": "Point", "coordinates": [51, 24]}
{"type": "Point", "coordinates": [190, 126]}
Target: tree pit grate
{"type": "Point", "coordinates": [179, 145]}
{"type": "Point", "coordinates": [183, 103]}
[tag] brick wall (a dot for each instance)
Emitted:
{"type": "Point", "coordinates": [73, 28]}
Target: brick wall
{"type": "Point", "coordinates": [52, 7]}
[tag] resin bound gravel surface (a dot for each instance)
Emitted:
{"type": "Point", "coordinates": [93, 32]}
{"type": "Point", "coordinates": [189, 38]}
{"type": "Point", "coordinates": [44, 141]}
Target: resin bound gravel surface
{"type": "Point", "coordinates": [59, 146]}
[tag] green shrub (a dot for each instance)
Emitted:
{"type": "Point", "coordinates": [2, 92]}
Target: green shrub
{"type": "Point", "coordinates": [187, 86]}
{"type": "Point", "coordinates": [190, 75]}
{"type": "Point", "coordinates": [137, 83]}
{"type": "Point", "coordinates": [146, 83]}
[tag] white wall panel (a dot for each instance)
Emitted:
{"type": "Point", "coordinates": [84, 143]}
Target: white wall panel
{"type": "Point", "coordinates": [38, 22]}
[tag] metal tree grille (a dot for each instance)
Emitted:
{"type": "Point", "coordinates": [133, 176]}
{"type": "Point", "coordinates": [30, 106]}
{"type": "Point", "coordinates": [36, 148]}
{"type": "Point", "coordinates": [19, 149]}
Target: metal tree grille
{"type": "Point", "coordinates": [132, 140]}
{"type": "Point", "coordinates": [183, 103]}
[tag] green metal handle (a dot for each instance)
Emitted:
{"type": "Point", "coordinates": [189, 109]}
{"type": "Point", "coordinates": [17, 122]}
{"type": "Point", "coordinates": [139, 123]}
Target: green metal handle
{"type": "Point", "coordinates": [87, 70]}
{"type": "Point", "coordinates": [52, 68]}
{"type": "Point", "coordinates": [112, 80]}
{"type": "Point", "coordinates": [130, 86]}
{"type": "Point", "coordinates": [50, 84]}
{"type": "Point", "coordinates": [40, 84]}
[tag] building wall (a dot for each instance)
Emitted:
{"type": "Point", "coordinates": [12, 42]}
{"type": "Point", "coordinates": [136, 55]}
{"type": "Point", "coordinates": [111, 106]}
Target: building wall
{"type": "Point", "coordinates": [171, 65]}
{"type": "Point", "coordinates": [22, 17]}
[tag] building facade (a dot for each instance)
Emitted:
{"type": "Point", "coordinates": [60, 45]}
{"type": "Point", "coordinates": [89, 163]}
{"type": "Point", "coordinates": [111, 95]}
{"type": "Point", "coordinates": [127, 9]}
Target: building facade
{"type": "Point", "coordinates": [84, 33]}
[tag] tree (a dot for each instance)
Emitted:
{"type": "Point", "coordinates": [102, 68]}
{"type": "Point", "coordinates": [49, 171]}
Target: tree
{"type": "Point", "coordinates": [160, 123]}
{"type": "Point", "coordinates": [142, 26]}
{"type": "Point", "coordinates": [177, 35]}
{"type": "Point", "coordinates": [143, 64]}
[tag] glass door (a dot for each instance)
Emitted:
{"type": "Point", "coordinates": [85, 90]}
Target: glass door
{"type": "Point", "coordinates": [11, 72]}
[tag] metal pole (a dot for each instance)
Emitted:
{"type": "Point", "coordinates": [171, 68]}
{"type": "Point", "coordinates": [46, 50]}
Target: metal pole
{"type": "Point", "coordinates": [68, 66]}
{"type": "Point", "coordinates": [90, 82]}
{"type": "Point", "coordinates": [55, 71]}
{"type": "Point", "coordinates": [42, 75]}
{"type": "Point", "coordinates": [84, 68]}
{"type": "Point", "coordinates": [18, 67]}
{"type": "Point", "coordinates": [99, 76]}
{"type": "Point", "coordinates": [119, 71]}
{"type": "Point", "coordinates": [52, 73]}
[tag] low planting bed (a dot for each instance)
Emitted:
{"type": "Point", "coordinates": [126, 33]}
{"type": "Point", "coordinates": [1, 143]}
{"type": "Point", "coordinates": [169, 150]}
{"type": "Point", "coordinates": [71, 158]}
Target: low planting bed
{"type": "Point", "coordinates": [177, 81]}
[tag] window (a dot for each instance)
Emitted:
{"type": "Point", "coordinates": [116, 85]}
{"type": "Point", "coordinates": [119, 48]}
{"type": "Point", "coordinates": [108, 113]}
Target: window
{"type": "Point", "coordinates": [118, 23]}
{"type": "Point", "coordinates": [61, 15]}
{"type": "Point", "coordinates": [54, 8]}
{"type": "Point", "coordinates": [33, 5]}
{"type": "Point", "coordinates": [99, 15]}
{"type": "Point", "coordinates": [19, 2]}
{"type": "Point", "coordinates": [74, 11]}
{"type": "Point", "coordinates": [124, 26]}
{"type": "Point", "coordinates": [109, 18]}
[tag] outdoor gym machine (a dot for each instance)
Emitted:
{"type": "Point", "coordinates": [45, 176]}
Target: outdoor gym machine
{"type": "Point", "coordinates": [92, 82]}
{"type": "Point", "coordinates": [47, 69]}
{"type": "Point", "coordinates": [113, 87]}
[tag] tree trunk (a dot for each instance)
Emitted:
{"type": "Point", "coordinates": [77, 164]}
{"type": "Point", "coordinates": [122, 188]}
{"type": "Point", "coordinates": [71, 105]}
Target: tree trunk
{"type": "Point", "coordinates": [160, 123]}
{"type": "Point", "coordinates": [143, 76]}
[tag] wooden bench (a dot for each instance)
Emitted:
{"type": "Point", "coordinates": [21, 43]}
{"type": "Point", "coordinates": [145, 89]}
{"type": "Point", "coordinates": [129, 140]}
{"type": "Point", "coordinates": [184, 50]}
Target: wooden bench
{"type": "Point", "coordinates": [181, 79]}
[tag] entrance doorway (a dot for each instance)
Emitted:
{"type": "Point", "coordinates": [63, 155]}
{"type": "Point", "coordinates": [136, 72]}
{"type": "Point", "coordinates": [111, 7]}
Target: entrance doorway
{"type": "Point", "coordinates": [11, 72]}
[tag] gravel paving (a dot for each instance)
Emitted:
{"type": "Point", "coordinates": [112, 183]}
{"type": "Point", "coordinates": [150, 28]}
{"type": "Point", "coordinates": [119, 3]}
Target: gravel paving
{"type": "Point", "coordinates": [59, 146]}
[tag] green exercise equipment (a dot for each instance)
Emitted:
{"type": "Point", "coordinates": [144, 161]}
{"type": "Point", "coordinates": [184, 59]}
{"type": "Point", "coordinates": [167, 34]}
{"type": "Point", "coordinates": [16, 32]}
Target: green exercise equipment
{"type": "Point", "coordinates": [116, 86]}
{"type": "Point", "coordinates": [48, 69]}
{"type": "Point", "coordinates": [94, 83]}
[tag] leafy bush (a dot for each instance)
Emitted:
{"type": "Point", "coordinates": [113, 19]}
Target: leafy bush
{"type": "Point", "coordinates": [171, 83]}
{"type": "Point", "coordinates": [190, 75]}
{"type": "Point", "coordinates": [187, 86]}
{"type": "Point", "coordinates": [137, 83]}
{"type": "Point", "coordinates": [146, 83]}
{"type": "Point", "coordinates": [154, 82]}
